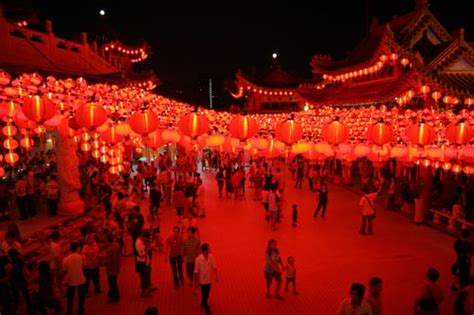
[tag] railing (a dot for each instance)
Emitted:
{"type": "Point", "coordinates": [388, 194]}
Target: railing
{"type": "Point", "coordinates": [453, 221]}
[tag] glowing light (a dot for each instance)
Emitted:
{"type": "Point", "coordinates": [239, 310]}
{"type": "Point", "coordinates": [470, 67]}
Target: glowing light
{"type": "Point", "coordinates": [274, 55]}
{"type": "Point", "coordinates": [102, 12]}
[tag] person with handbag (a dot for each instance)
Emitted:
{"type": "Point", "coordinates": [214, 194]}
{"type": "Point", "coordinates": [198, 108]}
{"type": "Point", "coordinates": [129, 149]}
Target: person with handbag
{"type": "Point", "coordinates": [368, 210]}
{"type": "Point", "coordinates": [431, 295]}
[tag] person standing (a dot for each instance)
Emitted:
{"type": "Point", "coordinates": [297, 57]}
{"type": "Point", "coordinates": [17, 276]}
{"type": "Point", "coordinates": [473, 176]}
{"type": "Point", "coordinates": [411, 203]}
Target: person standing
{"type": "Point", "coordinates": [205, 266]}
{"type": "Point", "coordinates": [375, 295]}
{"type": "Point", "coordinates": [18, 281]}
{"type": "Point", "coordinates": [55, 263]}
{"type": "Point", "coordinates": [323, 201]}
{"type": "Point", "coordinates": [90, 252]}
{"type": "Point", "coordinates": [46, 298]}
{"type": "Point", "coordinates": [368, 210]}
{"type": "Point", "coordinates": [462, 266]}
{"type": "Point", "coordinates": [105, 193]}
{"type": "Point", "coordinates": [355, 304]}
{"type": "Point", "coordinates": [112, 266]}
{"type": "Point", "coordinates": [272, 199]}
{"type": "Point", "coordinates": [431, 296]}
{"type": "Point", "coordinates": [174, 245]}
{"type": "Point", "coordinates": [191, 252]}
{"type": "Point", "coordinates": [73, 265]}
{"type": "Point", "coordinates": [21, 191]}
{"type": "Point", "coordinates": [220, 182]}
{"type": "Point", "coordinates": [271, 270]}
{"type": "Point", "coordinates": [155, 200]}
{"type": "Point", "coordinates": [135, 225]}
{"type": "Point", "coordinates": [179, 198]}
{"type": "Point", "coordinates": [52, 195]}
{"type": "Point", "coordinates": [10, 242]}
{"type": "Point", "coordinates": [143, 262]}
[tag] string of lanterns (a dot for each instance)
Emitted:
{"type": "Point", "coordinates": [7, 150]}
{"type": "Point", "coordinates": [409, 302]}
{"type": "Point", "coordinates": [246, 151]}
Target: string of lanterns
{"type": "Point", "coordinates": [106, 119]}
{"type": "Point", "coordinates": [136, 55]}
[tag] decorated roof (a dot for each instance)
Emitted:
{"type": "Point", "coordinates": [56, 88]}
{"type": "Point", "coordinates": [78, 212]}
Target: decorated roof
{"type": "Point", "coordinates": [275, 77]}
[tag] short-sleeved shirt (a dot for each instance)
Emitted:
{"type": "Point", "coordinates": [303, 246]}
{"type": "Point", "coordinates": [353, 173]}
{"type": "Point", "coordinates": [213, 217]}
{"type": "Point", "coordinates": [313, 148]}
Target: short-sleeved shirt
{"type": "Point", "coordinates": [175, 244]}
{"type": "Point", "coordinates": [21, 188]}
{"type": "Point", "coordinates": [367, 203]}
{"type": "Point", "coordinates": [346, 308]}
{"type": "Point", "coordinates": [52, 190]}
{"type": "Point", "coordinates": [15, 245]}
{"type": "Point", "coordinates": [191, 249]}
{"type": "Point", "coordinates": [272, 201]}
{"type": "Point", "coordinates": [204, 268]}
{"type": "Point", "coordinates": [74, 265]}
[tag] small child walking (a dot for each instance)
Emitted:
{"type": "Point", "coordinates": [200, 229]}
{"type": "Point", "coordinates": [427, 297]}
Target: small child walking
{"type": "Point", "coordinates": [291, 274]}
{"type": "Point", "coordinates": [294, 214]}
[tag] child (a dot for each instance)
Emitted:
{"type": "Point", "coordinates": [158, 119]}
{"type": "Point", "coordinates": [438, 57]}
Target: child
{"type": "Point", "coordinates": [294, 214]}
{"type": "Point", "coordinates": [291, 274]}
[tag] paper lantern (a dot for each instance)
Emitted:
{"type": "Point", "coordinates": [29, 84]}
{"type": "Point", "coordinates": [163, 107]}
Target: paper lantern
{"type": "Point", "coordinates": [467, 154]}
{"type": "Point", "coordinates": [11, 157]}
{"type": "Point", "coordinates": [10, 144]}
{"type": "Point", "coordinates": [313, 155]}
{"type": "Point", "coordinates": [63, 128]}
{"type": "Point", "coordinates": [420, 134]}
{"type": "Point", "coordinates": [362, 150]}
{"type": "Point", "coordinates": [2, 172]}
{"type": "Point", "coordinates": [425, 89]}
{"type": "Point", "coordinates": [243, 127]}
{"type": "Point", "coordinates": [436, 95]}
{"type": "Point", "coordinates": [379, 154]}
{"type": "Point", "coordinates": [111, 135]}
{"type": "Point", "coordinates": [274, 148]}
{"type": "Point", "coordinates": [450, 153]}
{"type": "Point", "coordinates": [259, 143]}
{"type": "Point", "coordinates": [143, 122]}
{"type": "Point", "coordinates": [301, 147]}
{"type": "Point", "coordinates": [193, 125]}
{"type": "Point", "coordinates": [123, 129]}
{"type": "Point", "coordinates": [324, 148]}
{"type": "Point", "coordinates": [335, 132]}
{"type": "Point", "coordinates": [434, 152]}
{"type": "Point", "coordinates": [170, 136]}
{"type": "Point", "coordinates": [38, 108]}
{"type": "Point", "coordinates": [379, 133]}
{"type": "Point", "coordinates": [215, 140]}
{"type": "Point", "coordinates": [4, 77]}
{"type": "Point", "coordinates": [85, 146]}
{"type": "Point", "coordinates": [27, 143]}
{"type": "Point", "coordinates": [289, 131]}
{"type": "Point", "coordinates": [8, 109]}
{"type": "Point", "coordinates": [90, 116]}
{"type": "Point", "coordinates": [344, 149]}
{"type": "Point", "coordinates": [459, 133]}
{"type": "Point", "coordinates": [9, 130]}
{"type": "Point", "coordinates": [154, 140]}
{"type": "Point", "coordinates": [399, 151]}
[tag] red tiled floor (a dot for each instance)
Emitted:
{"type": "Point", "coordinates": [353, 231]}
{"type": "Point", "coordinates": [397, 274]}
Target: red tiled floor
{"type": "Point", "coordinates": [329, 255]}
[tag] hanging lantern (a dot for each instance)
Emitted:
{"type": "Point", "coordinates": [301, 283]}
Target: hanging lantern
{"type": "Point", "coordinates": [456, 168]}
{"type": "Point", "coordinates": [96, 154]}
{"type": "Point", "coordinates": [104, 158]}
{"type": "Point", "coordinates": [420, 134]}
{"type": "Point", "coordinates": [85, 146]}
{"type": "Point", "coordinates": [335, 132]}
{"type": "Point", "coordinates": [274, 148]}
{"type": "Point", "coordinates": [436, 95]}
{"type": "Point", "coordinates": [289, 131]}
{"type": "Point", "coordinates": [379, 133]}
{"type": "Point", "coordinates": [154, 140]}
{"type": "Point", "coordinates": [27, 143]}
{"type": "Point", "coordinates": [215, 140]}
{"type": "Point", "coordinates": [111, 135]}
{"type": "Point", "coordinates": [38, 109]}
{"type": "Point", "coordinates": [450, 153]}
{"type": "Point", "coordinates": [324, 148]}
{"type": "Point", "coordinates": [301, 147]}
{"type": "Point", "coordinates": [362, 150]}
{"type": "Point", "coordinates": [11, 157]}
{"type": "Point", "coordinates": [468, 101]}
{"type": "Point", "coordinates": [434, 152]}
{"type": "Point", "coordinates": [193, 124]}
{"type": "Point", "coordinates": [9, 130]}
{"type": "Point", "coordinates": [10, 144]}
{"type": "Point", "coordinates": [243, 127]}
{"type": "Point", "coordinates": [4, 77]}
{"type": "Point", "coordinates": [144, 122]}
{"type": "Point", "coordinates": [459, 133]}
{"type": "Point", "coordinates": [404, 62]}
{"type": "Point", "coordinates": [90, 116]}
{"type": "Point", "coordinates": [170, 136]}
{"type": "Point", "coordinates": [425, 89]}
{"type": "Point", "coordinates": [2, 172]}
{"type": "Point", "coordinates": [313, 155]}
{"type": "Point", "coordinates": [399, 152]}
{"type": "Point", "coordinates": [259, 143]}
{"type": "Point", "coordinates": [446, 166]}
{"type": "Point", "coordinates": [123, 129]}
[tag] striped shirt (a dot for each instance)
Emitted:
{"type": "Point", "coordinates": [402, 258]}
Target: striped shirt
{"type": "Point", "coordinates": [191, 249]}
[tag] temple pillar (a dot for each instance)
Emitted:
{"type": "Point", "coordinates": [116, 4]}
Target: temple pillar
{"type": "Point", "coordinates": [68, 176]}
{"type": "Point", "coordinates": [423, 201]}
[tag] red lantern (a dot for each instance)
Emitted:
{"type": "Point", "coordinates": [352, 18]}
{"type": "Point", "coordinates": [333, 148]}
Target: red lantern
{"type": "Point", "coordinates": [289, 131]}
{"type": "Point", "coordinates": [90, 116]}
{"type": "Point", "coordinates": [425, 89]}
{"type": "Point", "coordinates": [4, 78]}
{"type": "Point", "coordinates": [436, 95]}
{"type": "Point", "coordinates": [301, 147]}
{"type": "Point", "coordinates": [170, 136]}
{"type": "Point", "coordinates": [379, 133]}
{"type": "Point", "coordinates": [243, 127]}
{"type": "Point", "coordinates": [335, 132]}
{"type": "Point", "coordinates": [420, 134]}
{"type": "Point", "coordinates": [274, 148]}
{"type": "Point", "coordinates": [362, 150]}
{"type": "Point", "coordinates": [215, 140]}
{"type": "Point", "coordinates": [468, 101]}
{"type": "Point", "coordinates": [27, 143]}
{"type": "Point", "coordinates": [154, 140]}
{"type": "Point", "coordinates": [144, 122]}
{"type": "Point", "coordinates": [404, 62]}
{"type": "Point", "coordinates": [259, 143]}
{"type": "Point", "coordinates": [111, 135]}
{"type": "Point", "coordinates": [447, 99]}
{"type": "Point", "coordinates": [459, 133]}
{"type": "Point", "coordinates": [38, 109]}
{"type": "Point", "coordinates": [193, 125]}
{"type": "Point", "coordinates": [11, 157]}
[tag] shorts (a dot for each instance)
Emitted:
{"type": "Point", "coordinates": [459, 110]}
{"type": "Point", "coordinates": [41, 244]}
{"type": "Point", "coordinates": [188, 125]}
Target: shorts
{"type": "Point", "coordinates": [270, 275]}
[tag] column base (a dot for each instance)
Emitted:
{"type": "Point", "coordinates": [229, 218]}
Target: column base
{"type": "Point", "coordinates": [71, 207]}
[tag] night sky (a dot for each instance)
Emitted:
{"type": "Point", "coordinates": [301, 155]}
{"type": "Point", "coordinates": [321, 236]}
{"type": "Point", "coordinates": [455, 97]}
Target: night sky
{"type": "Point", "coordinates": [197, 40]}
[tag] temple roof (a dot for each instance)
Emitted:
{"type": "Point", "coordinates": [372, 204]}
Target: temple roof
{"type": "Point", "coordinates": [275, 77]}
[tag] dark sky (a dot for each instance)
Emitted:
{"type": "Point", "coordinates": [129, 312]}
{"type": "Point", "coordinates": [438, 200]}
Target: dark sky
{"type": "Point", "coordinates": [196, 39]}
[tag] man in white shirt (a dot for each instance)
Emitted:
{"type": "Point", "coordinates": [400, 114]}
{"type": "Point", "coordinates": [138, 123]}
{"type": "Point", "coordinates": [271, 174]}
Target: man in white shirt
{"type": "Point", "coordinates": [368, 210]}
{"type": "Point", "coordinates": [355, 304]}
{"type": "Point", "coordinates": [73, 266]}
{"type": "Point", "coordinates": [205, 266]}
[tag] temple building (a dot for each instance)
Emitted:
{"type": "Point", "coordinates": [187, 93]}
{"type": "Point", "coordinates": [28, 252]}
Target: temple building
{"type": "Point", "coordinates": [410, 60]}
{"type": "Point", "coordinates": [271, 91]}
{"type": "Point", "coordinates": [27, 46]}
